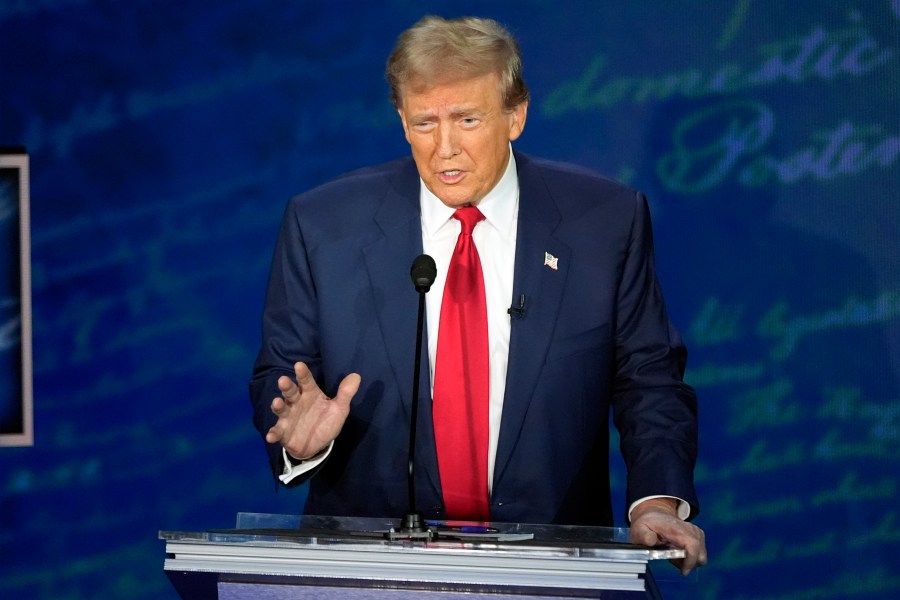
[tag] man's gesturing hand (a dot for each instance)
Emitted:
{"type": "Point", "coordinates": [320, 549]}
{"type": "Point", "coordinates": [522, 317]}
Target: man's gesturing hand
{"type": "Point", "coordinates": [308, 420]}
{"type": "Point", "coordinates": [656, 521]}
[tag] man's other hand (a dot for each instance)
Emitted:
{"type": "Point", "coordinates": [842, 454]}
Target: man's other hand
{"type": "Point", "coordinates": [655, 522]}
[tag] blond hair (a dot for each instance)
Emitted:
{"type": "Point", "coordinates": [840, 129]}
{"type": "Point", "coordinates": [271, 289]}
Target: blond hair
{"type": "Point", "coordinates": [437, 50]}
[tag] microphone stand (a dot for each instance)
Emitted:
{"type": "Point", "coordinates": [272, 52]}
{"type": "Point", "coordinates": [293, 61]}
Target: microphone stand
{"type": "Point", "coordinates": [412, 520]}
{"type": "Point", "coordinates": [413, 525]}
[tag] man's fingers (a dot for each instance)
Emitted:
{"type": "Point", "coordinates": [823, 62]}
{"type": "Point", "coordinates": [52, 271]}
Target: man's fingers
{"type": "Point", "coordinates": [644, 536]}
{"type": "Point", "coordinates": [289, 390]}
{"type": "Point", "coordinates": [347, 389]}
{"type": "Point", "coordinates": [274, 434]}
{"type": "Point", "coordinates": [692, 540]}
{"type": "Point", "coordinates": [687, 564]}
{"type": "Point", "coordinates": [695, 552]}
{"type": "Point", "coordinates": [277, 406]}
{"type": "Point", "coordinates": [305, 380]}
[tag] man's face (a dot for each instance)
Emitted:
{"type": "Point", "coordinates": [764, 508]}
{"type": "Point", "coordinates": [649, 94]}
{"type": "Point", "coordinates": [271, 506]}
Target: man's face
{"type": "Point", "coordinates": [460, 134]}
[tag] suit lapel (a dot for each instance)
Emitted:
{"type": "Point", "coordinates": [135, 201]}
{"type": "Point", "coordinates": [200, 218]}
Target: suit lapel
{"type": "Point", "coordinates": [388, 262]}
{"type": "Point", "coordinates": [542, 287]}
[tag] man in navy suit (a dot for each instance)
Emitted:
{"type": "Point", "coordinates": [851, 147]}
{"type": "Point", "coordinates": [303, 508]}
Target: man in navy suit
{"type": "Point", "coordinates": [569, 252]}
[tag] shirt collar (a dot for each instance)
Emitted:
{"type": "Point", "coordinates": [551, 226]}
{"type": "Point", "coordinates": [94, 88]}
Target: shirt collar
{"type": "Point", "coordinates": [500, 206]}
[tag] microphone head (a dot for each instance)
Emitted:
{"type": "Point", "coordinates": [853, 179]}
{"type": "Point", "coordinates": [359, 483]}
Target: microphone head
{"type": "Point", "coordinates": [423, 272]}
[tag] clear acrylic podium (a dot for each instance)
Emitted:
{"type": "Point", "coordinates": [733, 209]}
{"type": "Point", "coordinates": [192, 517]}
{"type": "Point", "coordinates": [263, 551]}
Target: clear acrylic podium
{"type": "Point", "coordinates": [287, 557]}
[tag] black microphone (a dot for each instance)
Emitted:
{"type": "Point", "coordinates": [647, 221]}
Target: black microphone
{"type": "Point", "coordinates": [517, 312]}
{"type": "Point", "coordinates": [423, 272]}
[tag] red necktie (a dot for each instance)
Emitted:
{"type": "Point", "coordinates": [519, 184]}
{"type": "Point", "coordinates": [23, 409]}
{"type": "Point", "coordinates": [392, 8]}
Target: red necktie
{"type": "Point", "coordinates": [461, 382]}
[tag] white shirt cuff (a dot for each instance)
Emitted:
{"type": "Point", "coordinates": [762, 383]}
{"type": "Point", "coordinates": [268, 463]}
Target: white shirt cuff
{"type": "Point", "coordinates": [684, 509]}
{"type": "Point", "coordinates": [292, 471]}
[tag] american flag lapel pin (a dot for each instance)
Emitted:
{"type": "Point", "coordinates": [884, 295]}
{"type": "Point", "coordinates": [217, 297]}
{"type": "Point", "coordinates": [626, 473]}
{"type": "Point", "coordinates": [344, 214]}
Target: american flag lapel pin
{"type": "Point", "coordinates": [551, 261]}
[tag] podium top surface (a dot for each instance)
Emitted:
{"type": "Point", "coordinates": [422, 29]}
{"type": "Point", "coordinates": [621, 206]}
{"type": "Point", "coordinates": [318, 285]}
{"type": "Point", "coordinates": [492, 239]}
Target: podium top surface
{"type": "Point", "coordinates": [383, 535]}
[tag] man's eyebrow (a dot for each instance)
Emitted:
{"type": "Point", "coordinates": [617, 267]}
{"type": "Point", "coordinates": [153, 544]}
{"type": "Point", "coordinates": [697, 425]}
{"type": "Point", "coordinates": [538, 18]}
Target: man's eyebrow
{"type": "Point", "coordinates": [422, 116]}
{"type": "Point", "coordinates": [457, 113]}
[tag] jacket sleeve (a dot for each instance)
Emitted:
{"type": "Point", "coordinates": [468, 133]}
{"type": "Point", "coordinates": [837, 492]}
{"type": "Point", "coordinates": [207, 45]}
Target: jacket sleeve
{"type": "Point", "coordinates": [289, 332]}
{"type": "Point", "coordinates": [654, 411]}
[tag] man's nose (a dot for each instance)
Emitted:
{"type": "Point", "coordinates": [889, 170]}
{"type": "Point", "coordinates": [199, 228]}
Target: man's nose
{"type": "Point", "coordinates": [447, 142]}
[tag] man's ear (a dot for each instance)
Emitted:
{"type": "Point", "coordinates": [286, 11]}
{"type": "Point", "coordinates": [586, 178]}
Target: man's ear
{"type": "Point", "coordinates": [517, 121]}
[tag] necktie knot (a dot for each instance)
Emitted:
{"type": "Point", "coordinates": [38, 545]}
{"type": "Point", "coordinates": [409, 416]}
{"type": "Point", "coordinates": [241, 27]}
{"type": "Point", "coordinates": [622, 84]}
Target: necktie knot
{"type": "Point", "coordinates": [468, 216]}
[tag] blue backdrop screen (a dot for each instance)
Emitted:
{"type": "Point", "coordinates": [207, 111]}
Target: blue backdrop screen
{"type": "Point", "coordinates": [166, 138]}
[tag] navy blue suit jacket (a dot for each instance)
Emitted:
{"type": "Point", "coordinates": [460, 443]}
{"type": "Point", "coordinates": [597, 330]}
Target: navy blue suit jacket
{"type": "Point", "coordinates": [594, 335]}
